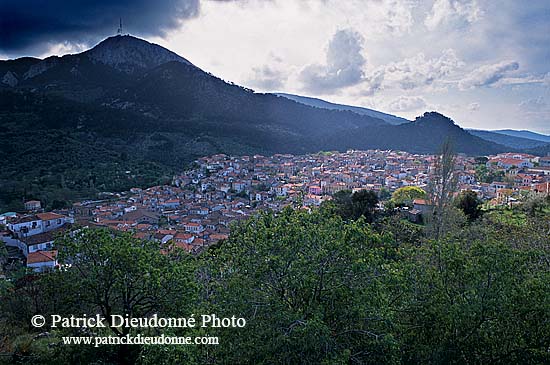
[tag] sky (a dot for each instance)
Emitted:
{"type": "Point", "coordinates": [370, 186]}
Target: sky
{"type": "Point", "coordinates": [485, 64]}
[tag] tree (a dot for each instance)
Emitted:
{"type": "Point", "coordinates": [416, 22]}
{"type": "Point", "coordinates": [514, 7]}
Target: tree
{"type": "Point", "coordinates": [469, 203]}
{"type": "Point", "coordinates": [478, 296]}
{"type": "Point", "coordinates": [406, 195]}
{"type": "Point", "coordinates": [364, 203]}
{"type": "Point", "coordinates": [310, 287]}
{"type": "Point", "coordinates": [114, 273]}
{"type": "Point", "coordinates": [353, 206]}
{"type": "Point", "coordinates": [384, 194]}
{"type": "Point", "coordinates": [442, 186]}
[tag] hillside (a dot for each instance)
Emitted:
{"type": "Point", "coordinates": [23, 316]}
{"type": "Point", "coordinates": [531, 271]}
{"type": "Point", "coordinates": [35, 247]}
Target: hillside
{"type": "Point", "coordinates": [507, 140]}
{"type": "Point", "coordinates": [423, 135]}
{"type": "Point", "coordinates": [128, 112]}
{"type": "Point", "coordinates": [524, 134]}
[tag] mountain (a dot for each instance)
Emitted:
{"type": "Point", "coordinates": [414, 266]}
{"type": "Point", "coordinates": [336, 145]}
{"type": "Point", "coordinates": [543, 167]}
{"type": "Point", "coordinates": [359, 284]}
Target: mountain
{"type": "Point", "coordinates": [524, 134]}
{"type": "Point", "coordinates": [130, 113]}
{"type": "Point", "coordinates": [129, 54]}
{"type": "Point", "coordinates": [507, 140]}
{"type": "Point", "coordinates": [319, 103]}
{"type": "Point", "coordinates": [423, 135]}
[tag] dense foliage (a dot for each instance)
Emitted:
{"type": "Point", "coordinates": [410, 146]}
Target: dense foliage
{"type": "Point", "coordinates": [407, 194]}
{"type": "Point", "coordinates": [314, 288]}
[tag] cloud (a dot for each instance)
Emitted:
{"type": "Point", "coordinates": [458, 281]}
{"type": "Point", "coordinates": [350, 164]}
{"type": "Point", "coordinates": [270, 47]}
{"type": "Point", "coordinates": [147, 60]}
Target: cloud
{"type": "Point", "coordinates": [344, 64]}
{"type": "Point", "coordinates": [452, 13]}
{"type": "Point", "coordinates": [394, 17]}
{"type": "Point", "coordinates": [526, 79]}
{"type": "Point", "coordinates": [267, 78]}
{"type": "Point", "coordinates": [407, 103]}
{"type": "Point", "coordinates": [418, 71]}
{"type": "Point", "coordinates": [372, 83]}
{"type": "Point", "coordinates": [488, 75]}
{"type": "Point", "coordinates": [35, 25]}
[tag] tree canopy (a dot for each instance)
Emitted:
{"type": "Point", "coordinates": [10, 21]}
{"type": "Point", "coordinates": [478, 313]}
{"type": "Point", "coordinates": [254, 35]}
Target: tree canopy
{"type": "Point", "coordinates": [406, 195]}
{"type": "Point", "coordinates": [314, 288]}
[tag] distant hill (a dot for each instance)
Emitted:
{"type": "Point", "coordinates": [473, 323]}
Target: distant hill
{"type": "Point", "coordinates": [524, 134]}
{"type": "Point", "coordinates": [507, 140]}
{"type": "Point", "coordinates": [543, 150]}
{"type": "Point", "coordinates": [130, 113]}
{"type": "Point", "coordinates": [423, 135]}
{"type": "Point", "coordinates": [319, 103]}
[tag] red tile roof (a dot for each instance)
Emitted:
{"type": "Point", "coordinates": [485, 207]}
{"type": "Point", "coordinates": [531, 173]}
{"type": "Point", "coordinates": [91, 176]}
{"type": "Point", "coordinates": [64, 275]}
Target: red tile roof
{"type": "Point", "coordinates": [49, 216]}
{"type": "Point", "coordinates": [41, 256]}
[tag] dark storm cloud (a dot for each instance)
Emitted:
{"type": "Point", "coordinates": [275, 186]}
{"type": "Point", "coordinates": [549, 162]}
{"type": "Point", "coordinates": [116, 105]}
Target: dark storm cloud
{"type": "Point", "coordinates": [30, 25]}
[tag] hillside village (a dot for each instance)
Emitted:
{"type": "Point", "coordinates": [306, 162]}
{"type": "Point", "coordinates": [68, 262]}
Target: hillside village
{"type": "Point", "coordinates": [198, 208]}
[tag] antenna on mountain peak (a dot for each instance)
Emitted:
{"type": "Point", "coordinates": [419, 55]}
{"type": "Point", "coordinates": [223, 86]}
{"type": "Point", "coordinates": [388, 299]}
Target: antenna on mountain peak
{"type": "Point", "coordinates": [119, 31]}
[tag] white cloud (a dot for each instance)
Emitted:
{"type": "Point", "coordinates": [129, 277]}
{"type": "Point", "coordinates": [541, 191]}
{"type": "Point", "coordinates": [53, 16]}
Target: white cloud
{"type": "Point", "coordinates": [488, 75]}
{"type": "Point", "coordinates": [344, 64]}
{"type": "Point", "coordinates": [407, 103]}
{"type": "Point", "coordinates": [372, 83]}
{"type": "Point", "coordinates": [395, 16]}
{"type": "Point", "coordinates": [418, 71]}
{"type": "Point", "coordinates": [267, 78]}
{"type": "Point", "coordinates": [455, 13]}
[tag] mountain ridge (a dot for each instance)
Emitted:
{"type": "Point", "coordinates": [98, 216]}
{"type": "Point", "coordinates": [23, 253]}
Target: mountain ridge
{"type": "Point", "coordinates": [320, 103]}
{"type": "Point", "coordinates": [524, 134]}
{"type": "Point", "coordinates": [507, 140]}
{"type": "Point", "coordinates": [147, 118]}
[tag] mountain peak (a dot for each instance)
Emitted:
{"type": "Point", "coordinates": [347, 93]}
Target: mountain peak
{"type": "Point", "coordinates": [435, 119]}
{"type": "Point", "coordinates": [128, 54]}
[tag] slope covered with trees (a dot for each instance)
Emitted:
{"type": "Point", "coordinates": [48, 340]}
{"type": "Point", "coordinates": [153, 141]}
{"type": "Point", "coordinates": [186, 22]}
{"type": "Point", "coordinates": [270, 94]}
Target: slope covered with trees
{"type": "Point", "coordinates": [314, 287]}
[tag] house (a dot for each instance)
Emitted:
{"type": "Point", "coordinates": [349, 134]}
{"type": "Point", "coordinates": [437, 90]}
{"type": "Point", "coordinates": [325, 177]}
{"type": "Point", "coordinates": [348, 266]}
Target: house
{"type": "Point", "coordinates": [141, 216]}
{"type": "Point", "coordinates": [32, 205]}
{"type": "Point", "coordinates": [193, 227]}
{"type": "Point", "coordinates": [170, 204]}
{"type": "Point", "coordinates": [51, 221]}
{"type": "Point", "coordinates": [423, 206]}
{"type": "Point", "coordinates": [182, 237]}
{"type": "Point", "coordinates": [508, 163]}
{"type": "Point", "coordinates": [496, 185]}
{"type": "Point", "coordinates": [542, 188]}
{"type": "Point", "coordinates": [414, 216]}
{"type": "Point", "coordinates": [41, 261]}
{"type": "Point", "coordinates": [315, 190]}
{"type": "Point", "coordinates": [27, 225]}
{"type": "Point", "coordinates": [544, 161]}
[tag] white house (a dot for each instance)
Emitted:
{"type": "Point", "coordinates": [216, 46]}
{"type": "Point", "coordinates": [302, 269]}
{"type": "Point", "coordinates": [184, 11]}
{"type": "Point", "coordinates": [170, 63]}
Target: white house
{"type": "Point", "coordinates": [41, 261]}
{"type": "Point", "coordinates": [30, 225]}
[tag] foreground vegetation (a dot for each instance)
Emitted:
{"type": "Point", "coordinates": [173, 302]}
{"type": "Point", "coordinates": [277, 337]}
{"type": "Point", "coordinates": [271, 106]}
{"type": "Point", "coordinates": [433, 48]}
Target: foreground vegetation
{"type": "Point", "coordinates": [314, 287]}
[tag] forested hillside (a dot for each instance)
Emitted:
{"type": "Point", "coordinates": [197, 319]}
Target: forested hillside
{"type": "Point", "coordinates": [314, 287]}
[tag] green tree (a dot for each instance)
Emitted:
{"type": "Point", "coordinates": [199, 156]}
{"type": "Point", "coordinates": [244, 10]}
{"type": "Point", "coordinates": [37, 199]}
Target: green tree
{"type": "Point", "coordinates": [406, 195]}
{"type": "Point", "coordinates": [384, 194]}
{"type": "Point", "coordinates": [469, 203]}
{"type": "Point", "coordinates": [310, 287]}
{"type": "Point", "coordinates": [354, 205]}
{"type": "Point", "coordinates": [480, 295]}
{"type": "Point", "coordinates": [106, 273]}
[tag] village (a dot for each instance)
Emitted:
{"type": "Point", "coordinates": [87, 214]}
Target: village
{"type": "Point", "coordinates": [197, 209]}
